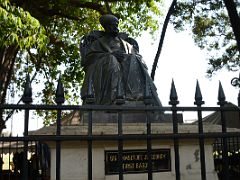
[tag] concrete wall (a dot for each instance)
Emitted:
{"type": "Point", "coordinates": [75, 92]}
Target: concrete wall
{"type": "Point", "coordinates": [74, 161]}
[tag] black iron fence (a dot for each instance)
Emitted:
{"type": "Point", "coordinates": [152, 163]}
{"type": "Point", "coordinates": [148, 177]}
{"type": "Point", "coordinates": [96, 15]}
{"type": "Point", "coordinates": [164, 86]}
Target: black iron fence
{"type": "Point", "coordinates": [233, 144]}
{"type": "Point", "coordinates": [221, 149]}
{"type": "Point", "coordinates": [12, 154]}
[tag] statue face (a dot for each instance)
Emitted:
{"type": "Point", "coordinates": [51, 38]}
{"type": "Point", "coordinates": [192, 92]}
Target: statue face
{"type": "Point", "coordinates": [111, 28]}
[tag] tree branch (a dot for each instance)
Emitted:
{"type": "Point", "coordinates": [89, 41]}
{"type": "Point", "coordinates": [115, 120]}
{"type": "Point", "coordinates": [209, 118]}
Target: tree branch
{"type": "Point", "coordinates": [61, 14]}
{"type": "Point", "coordinates": [55, 12]}
{"type": "Point", "coordinates": [88, 5]}
{"type": "Point", "coordinates": [108, 7]}
{"type": "Point", "coordinates": [234, 19]}
{"type": "Point", "coordinates": [166, 21]}
{"type": "Point", "coordinates": [8, 58]}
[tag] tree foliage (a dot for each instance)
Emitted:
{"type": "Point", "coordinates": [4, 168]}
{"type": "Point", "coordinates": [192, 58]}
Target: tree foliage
{"type": "Point", "coordinates": [46, 35]}
{"type": "Point", "coordinates": [19, 27]}
{"type": "Point", "coordinates": [211, 30]}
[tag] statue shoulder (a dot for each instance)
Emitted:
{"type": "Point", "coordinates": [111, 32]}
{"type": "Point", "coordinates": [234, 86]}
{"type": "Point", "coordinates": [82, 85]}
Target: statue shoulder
{"type": "Point", "coordinates": [86, 42]}
{"type": "Point", "coordinates": [130, 40]}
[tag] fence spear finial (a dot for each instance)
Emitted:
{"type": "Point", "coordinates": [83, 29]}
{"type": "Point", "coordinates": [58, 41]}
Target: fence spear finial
{"type": "Point", "coordinates": [173, 95]}
{"type": "Point", "coordinates": [198, 95]}
{"type": "Point", "coordinates": [221, 95]}
{"type": "Point", "coordinates": [27, 95]}
{"type": "Point", "coordinates": [59, 92]}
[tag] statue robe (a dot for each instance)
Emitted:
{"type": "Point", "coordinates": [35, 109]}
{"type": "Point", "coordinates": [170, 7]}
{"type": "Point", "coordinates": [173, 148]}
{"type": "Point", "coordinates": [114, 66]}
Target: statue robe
{"type": "Point", "coordinates": [108, 73]}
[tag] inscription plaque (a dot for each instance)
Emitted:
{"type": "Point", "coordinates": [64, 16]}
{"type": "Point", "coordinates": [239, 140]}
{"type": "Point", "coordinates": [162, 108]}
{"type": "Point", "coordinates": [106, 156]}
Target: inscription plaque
{"type": "Point", "coordinates": [136, 161]}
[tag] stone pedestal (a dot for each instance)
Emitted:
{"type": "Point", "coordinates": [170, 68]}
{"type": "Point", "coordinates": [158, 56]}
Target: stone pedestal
{"type": "Point", "coordinates": [74, 154]}
{"type": "Point", "coordinates": [74, 162]}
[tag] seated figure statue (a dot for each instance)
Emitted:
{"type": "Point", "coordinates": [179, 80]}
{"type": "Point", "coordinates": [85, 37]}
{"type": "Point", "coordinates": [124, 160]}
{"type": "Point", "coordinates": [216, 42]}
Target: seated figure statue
{"type": "Point", "coordinates": [113, 67]}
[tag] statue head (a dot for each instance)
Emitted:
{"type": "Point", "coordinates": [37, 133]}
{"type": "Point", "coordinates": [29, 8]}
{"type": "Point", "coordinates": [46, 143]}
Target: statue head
{"type": "Point", "coordinates": [110, 23]}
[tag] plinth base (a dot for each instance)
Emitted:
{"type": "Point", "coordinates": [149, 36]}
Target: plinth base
{"type": "Point", "coordinates": [74, 154]}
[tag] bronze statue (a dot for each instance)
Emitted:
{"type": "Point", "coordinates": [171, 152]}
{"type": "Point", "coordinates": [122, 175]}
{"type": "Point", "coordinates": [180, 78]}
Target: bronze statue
{"type": "Point", "coordinates": [113, 67]}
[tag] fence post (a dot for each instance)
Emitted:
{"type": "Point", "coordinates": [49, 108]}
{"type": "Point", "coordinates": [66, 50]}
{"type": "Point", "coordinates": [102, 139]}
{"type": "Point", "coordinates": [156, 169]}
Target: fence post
{"type": "Point", "coordinates": [174, 101]}
{"type": "Point", "coordinates": [222, 102]}
{"type": "Point", "coordinates": [90, 100]}
{"type": "Point", "coordinates": [27, 99]}
{"type": "Point", "coordinates": [148, 101]}
{"type": "Point", "coordinates": [1, 158]}
{"type": "Point", "coordinates": [119, 101]}
{"type": "Point", "coordinates": [199, 102]}
{"type": "Point", "coordinates": [59, 100]}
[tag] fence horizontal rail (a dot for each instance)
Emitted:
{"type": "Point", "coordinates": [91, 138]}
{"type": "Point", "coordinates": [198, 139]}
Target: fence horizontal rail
{"type": "Point", "coordinates": [115, 107]}
{"type": "Point", "coordinates": [89, 137]}
{"type": "Point", "coordinates": [126, 137]}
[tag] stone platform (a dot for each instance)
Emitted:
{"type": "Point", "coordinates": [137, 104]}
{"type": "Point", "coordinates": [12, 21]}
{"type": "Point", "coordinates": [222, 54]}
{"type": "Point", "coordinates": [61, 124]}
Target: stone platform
{"type": "Point", "coordinates": [74, 153]}
{"type": "Point", "coordinates": [106, 117]}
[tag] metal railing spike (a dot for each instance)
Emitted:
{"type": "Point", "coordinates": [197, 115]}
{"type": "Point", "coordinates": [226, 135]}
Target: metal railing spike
{"type": "Point", "coordinates": [59, 92]}
{"type": "Point", "coordinates": [27, 94]}
{"type": "Point", "coordinates": [173, 95]}
{"type": "Point", "coordinates": [221, 95]}
{"type": "Point", "coordinates": [198, 95]}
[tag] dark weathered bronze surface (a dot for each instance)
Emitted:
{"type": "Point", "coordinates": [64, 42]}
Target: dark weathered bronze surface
{"type": "Point", "coordinates": [114, 68]}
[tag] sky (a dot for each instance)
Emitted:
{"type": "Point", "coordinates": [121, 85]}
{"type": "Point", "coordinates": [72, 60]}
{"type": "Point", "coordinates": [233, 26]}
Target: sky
{"type": "Point", "coordinates": [182, 61]}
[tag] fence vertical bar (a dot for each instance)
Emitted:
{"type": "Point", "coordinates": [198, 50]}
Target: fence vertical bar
{"type": "Point", "coordinates": [90, 145]}
{"type": "Point", "coordinates": [199, 102]}
{"type": "Point", "coordinates": [40, 157]}
{"type": "Point", "coordinates": [1, 171]}
{"type": "Point", "coordinates": [25, 149]}
{"type": "Point", "coordinates": [59, 100]}
{"type": "Point", "coordinates": [9, 160]}
{"type": "Point", "coordinates": [90, 100]}
{"type": "Point", "coordinates": [58, 147]}
{"type": "Point", "coordinates": [174, 101]}
{"type": "Point", "coordinates": [149, 147]}
{"type": "Point", "coordinates": [148, 101]}
{"type": "Point", "coordinates": [37, 157]}
{"type": "Point", "coordinates": [119, 101]}
{"type": "Point", "coordinates": [237, 138]}
{"type": "Point", "coordinates": [222, 102]}
{"type": "Point", "coordinates": [238, 147]}
{"type": "Point", "coordinates": [27, 99]}
{"type": "Point", "coordinates": [120, 146]}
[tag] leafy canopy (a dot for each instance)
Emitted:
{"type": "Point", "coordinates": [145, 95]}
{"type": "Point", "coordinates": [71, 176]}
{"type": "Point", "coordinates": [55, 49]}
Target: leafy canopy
{"type": "Point", "coordinates": [48, 33]}
{"type": "Point", "coordinates": [19, 27]}
{"type": "Point", "coordinates": [211, 31]}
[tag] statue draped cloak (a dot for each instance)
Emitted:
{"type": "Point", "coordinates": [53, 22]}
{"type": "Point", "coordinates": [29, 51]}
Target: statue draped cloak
{"type": "Point", "coordinates": [108, 74]}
